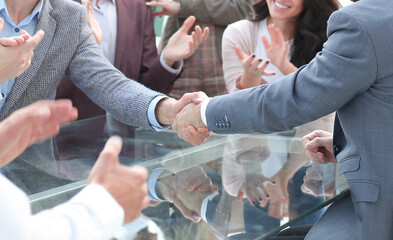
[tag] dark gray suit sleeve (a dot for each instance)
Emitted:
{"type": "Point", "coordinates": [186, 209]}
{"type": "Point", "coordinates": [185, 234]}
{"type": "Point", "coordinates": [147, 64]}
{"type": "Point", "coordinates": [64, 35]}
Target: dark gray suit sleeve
{"type": "Point", "coordinates": [345, 68]}
{"type": "Point", "coordinates": [125, 99]}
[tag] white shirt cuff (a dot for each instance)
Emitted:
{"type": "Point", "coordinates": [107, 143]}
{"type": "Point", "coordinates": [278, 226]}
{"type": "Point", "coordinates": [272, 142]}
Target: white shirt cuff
{"type": "Point", "coordinates": [168, 68]}
{"type": "Point", "coordinates": [203, 110]}
{"type": "Point", "coordinates": [204, 205]}
{"type": "Point", "coordinates": [151, 114]}
{"type": "Point", "coordinates": [107, 210]}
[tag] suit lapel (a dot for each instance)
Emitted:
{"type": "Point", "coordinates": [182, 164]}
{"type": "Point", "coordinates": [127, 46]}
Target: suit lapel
{"type": "Point", "coordinates": [48, 25]}
{"type": "Point", "coordinates": [121, 38]}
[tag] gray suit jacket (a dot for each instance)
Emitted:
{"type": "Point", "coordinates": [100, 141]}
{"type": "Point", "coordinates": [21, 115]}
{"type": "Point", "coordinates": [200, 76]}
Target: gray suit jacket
{"type": "Point", "coordinates": [353, 74]}
{"type": "Point", "coordinates": [69, 48]}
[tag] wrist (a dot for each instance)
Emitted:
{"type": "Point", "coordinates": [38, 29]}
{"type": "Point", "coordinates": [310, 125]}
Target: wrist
{"type": "Point", "coordinates": [287, 68]}
{"type": "Point", "coordinates": [164, 111]}
{"type": "Point", "coordinates": [248, 81]}
{"type": "Point", "coordinates": [170, 62]}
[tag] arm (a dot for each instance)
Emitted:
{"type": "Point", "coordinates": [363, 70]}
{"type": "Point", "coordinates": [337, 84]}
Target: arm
{"type": "Point", "coordinates": [125, 99]}
{"type": "Point", "coordinates": [328, 82]}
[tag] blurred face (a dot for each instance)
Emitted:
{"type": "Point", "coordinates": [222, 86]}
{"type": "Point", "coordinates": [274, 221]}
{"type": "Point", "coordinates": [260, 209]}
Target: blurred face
{"type": "Point", "coordinates": [285, 9]}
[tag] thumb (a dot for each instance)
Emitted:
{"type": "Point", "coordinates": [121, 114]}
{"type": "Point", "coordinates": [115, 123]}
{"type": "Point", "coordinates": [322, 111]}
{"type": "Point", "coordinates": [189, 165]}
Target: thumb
{"type": "Point", "coordinates": [187, 24]}
{"type": "Point", "coordinates": [240, 54]}
{"type": "Point", "coordinates": [111, 151]}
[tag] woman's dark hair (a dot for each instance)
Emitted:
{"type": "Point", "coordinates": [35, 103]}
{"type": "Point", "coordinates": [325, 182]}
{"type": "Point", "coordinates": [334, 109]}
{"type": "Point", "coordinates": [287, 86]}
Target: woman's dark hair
{"type": "Point", "coordinates": [311, 28]}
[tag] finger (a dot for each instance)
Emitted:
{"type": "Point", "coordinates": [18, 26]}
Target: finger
{"type": "Point", "coordinates": [203, 130]}
{"type": "Point", "coordinates": [316, 143]}
{"type": "Point", "coordinates": [111, 151]}
{"type": "Point", "coordinates": [19, 40]}
{"type": "Point", "coordinates": [25, 35]}
{"type": "Point", "coordinates": [272, 33]}
{"type": "Point", "coordinates": [205, 33]}
{"type": "Point", "coordinates": [33, 41]}
{"type": "Point", "coordinates": [198, 32]}
{"type": "Point", "coordinates": [188, 23]}
{"type": "Point", "coordinates": [240, 54]}
{"type": "Point", "coordinates": [187, 213]}
{"type": "Point", "coordinates": [8, 42]}
{"type": "Point", "coordinates": [254, 64]}
{"type": "Point", "coordinates": [265, 42]}
{"type": "Point", "coordinates": [155, 4]}
{"type": "Point", "coordinates": [194, 136]}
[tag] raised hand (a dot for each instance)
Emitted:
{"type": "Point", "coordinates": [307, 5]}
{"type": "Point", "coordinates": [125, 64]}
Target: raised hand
{"type": "Point", "coordinates": [92, 21]}
{"type": "Point", "coordinates": [181, 45]}
{"type": "Point", "coordinates": [16, 53]}
{"type": "Point", "coordinates": [126, 185]}
{"type": "Point", "coordinates": [254, 69]}
{"type": "Point", "coordinates": [35, 122]}
{"type": "Point", "coordinates": [318, 146]}
{"type": "Point", "coordinates": [169, 8]}
{"type": "Point", "coordinates": [277, 50]}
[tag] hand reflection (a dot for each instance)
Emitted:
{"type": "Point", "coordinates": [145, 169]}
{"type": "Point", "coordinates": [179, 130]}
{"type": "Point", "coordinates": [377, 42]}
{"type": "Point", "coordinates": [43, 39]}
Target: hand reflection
{"type": "Point", "coordinates": [319, 180]}
{"type": "Point", "coordinates": [186, 190]}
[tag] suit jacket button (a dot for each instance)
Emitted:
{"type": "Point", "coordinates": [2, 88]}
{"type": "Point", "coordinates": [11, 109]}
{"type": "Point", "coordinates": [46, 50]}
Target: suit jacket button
{"type": "Point", "coordinates": [336, 149]}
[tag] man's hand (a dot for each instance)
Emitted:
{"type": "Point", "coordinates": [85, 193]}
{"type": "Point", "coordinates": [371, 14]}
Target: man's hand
{"type": "Point", "coordinates": [92, 21]}
{"type": "Point", "coordinates": [318, 146]}
{"type": "Point", "coordinates": [127, 185]}
{"type": "Point", "coordinates": [189, 125]}
{"type": "Point", "coordinates": [169, 8]}
{"type": "Point", "coordinates": [168, 109]}
{"type": "Point", "coordinates": [319, 180]}
{"type": "Point", "coordinates": [16, 53]}
{"type": "Point", "coordinates": [35, 122]}
{"type": "Point", "coordinates": [181, 45]}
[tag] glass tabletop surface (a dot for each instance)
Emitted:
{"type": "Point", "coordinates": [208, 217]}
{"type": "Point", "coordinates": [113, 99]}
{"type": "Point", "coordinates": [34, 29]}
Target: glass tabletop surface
{"type": "Point", "coordinates": [231, 187]}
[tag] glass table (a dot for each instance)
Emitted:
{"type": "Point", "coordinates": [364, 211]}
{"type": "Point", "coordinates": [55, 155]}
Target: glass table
{"type": "Point", "coordinates": [237, 186]}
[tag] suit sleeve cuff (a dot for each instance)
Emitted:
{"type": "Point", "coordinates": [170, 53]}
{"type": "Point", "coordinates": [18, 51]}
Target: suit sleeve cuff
{"type": "Point", "coordinates": [178, 65]}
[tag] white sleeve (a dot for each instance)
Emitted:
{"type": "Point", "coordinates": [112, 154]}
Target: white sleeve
{"type": "Point", "coordinates": [91, 214]}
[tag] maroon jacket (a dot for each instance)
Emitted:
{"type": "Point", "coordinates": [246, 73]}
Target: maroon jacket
{"type": "Point", "coordinates": [136, 57]}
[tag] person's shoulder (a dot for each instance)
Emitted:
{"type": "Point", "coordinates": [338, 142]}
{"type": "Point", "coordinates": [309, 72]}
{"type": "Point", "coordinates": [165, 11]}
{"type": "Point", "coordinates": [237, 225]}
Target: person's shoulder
{"type": "Point", "coordinates": [366, 12]}
{"type": "Point", "coordinates": [66, 7]}
{"type": "Point", "coordinates": [242, 26]}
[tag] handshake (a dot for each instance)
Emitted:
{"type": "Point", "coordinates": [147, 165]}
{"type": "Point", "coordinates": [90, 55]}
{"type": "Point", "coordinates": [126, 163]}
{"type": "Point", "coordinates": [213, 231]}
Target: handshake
{"type": "Point", "coordinates": [185, 116]}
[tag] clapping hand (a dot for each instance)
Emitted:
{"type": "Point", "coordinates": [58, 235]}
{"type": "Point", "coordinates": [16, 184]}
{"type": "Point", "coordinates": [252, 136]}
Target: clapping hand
{"type": "Point", "coordinates": [254, 69]}
{"type": "Point", "coordinates": [277, 50]}
{"type": "Point", "coordinates": [181, 45]}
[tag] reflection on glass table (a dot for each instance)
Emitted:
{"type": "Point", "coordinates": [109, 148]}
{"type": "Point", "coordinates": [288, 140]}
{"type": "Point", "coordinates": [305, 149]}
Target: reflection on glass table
{"type": "Point", "coordinates": [231, 187]}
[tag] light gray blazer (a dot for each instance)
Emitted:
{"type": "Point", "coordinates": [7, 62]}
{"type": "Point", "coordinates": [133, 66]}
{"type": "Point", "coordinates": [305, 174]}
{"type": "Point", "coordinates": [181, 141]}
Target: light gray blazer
{"type": "Point", "coordinates": [352, 75]}
{"type": "Point", "coordinates": [69, 48]}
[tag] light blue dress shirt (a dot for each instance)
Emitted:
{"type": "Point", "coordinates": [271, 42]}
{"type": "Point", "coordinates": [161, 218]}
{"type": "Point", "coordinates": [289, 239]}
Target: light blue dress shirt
{"type": "Point", "coordinates": [11, 29]}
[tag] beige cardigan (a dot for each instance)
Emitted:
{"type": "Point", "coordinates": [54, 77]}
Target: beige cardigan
{"type": "Point", "coordinates": [243, 33]}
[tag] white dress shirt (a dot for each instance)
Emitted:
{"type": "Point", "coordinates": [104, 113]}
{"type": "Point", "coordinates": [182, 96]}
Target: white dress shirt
{"type": "Point", "coordinates": [91, 214]}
